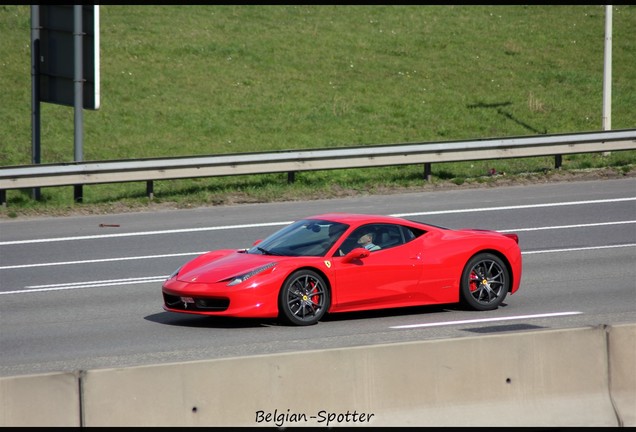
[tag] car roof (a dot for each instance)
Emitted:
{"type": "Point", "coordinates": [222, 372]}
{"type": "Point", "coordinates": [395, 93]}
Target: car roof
{"type": "Point", "coordinates": [360, 218]}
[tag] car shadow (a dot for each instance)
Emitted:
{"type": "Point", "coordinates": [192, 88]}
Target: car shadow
{"type": "Point", "coordinates": [392, 312]}
{"type": "Point", "coordinates": [201, 321]}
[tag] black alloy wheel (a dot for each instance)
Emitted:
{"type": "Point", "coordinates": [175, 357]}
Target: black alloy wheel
{"type": "Point", "coordinates": [485, 282]}
{"type": "Point", "coordinates": [304, 298]}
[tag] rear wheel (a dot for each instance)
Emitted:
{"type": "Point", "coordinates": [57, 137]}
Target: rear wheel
{"type": "Point", "coordinates": [485, 282]}
{"type": "Point", "coordinates": [304, 298]}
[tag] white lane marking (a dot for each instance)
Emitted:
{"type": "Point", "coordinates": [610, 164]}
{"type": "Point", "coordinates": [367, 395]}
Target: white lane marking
{"type": "Point", "coordinates": [258, 225]}
{"type": "Point", "coordinates": [102, 282]}
{"type": "Point", "coordinates": [482, 209]}
{"type": "Point", "coordinates": [144, 233]}
{"type": "Point", "coordinates": [100, 260]}
{"type": "Point", "coordinates": [93, 284]}
{"type": "Point", "coordinates": [569, 226]}
{"type": "Point", "coordinates": [579, 249]}
{"type": "Point", "coordinates": [483, 320]}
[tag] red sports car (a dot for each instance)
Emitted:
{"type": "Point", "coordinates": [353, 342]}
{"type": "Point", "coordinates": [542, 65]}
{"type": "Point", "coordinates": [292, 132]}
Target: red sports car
{"type": "Point", "coordinates": [342, 262]}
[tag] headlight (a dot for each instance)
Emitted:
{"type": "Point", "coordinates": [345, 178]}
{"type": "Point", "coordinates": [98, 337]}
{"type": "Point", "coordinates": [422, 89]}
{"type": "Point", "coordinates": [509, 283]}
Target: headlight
{"type": "Point", "coordinates": [245, 276]}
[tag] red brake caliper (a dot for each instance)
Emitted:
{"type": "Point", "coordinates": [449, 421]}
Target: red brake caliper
{"type": "Point", "coordinates": [314, 297]}
{"type": "Point", "coordinates": [473, 282]}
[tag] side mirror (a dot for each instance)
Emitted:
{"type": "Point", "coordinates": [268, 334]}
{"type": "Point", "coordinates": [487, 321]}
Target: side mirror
{"type": "Point", "coordinates": [355, 254]}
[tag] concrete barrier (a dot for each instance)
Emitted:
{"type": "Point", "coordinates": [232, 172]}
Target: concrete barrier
{"type": "Point", "coordinates": [40, 400]}
{"type": "Point", "coordinates": [536, 378]}
{"type": "Point", "coordinates": [622, 371]}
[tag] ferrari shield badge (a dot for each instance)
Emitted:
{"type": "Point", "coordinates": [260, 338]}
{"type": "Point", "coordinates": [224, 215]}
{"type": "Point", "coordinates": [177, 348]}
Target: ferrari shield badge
{"type": "Point", "coordinates": [328, 264]}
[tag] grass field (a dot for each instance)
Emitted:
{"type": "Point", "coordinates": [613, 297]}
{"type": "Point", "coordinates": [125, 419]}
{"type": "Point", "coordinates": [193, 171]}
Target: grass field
{"type": "Point", "coordinates": [208, 79]}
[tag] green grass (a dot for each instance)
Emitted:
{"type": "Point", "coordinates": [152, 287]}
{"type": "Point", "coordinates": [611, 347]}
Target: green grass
{"type": "Point", "coordinates": [203, 80]}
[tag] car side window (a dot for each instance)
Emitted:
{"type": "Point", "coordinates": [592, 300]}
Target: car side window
{"type": "Point", "coordinates": [411, 233]}
{"type": "Point", "coordinates": [364, 236]}
{"type": "Point", "coordinates": [389, 235]}
{"type": "Point", "coordinates": [383, 236]}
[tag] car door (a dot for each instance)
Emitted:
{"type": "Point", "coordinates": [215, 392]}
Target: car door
{"type": "Point", "coordinates": [386, 278]}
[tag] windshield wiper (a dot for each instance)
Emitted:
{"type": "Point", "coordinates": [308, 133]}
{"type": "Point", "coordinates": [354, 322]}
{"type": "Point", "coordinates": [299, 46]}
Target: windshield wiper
{"type": "Point", "coordinates": [265, 251]}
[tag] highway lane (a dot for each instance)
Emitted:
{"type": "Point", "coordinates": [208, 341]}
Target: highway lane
{"type": "Point", "coordinates": [84, 292]}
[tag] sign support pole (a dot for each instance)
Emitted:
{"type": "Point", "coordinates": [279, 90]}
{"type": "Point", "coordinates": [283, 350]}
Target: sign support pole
{"type": "Point", "coordinates": [35, 93]}
{"type": "Point", "coordinates": [79, 90]}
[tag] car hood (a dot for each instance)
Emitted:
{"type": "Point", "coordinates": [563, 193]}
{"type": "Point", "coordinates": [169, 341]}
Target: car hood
{"type": "Point", "coordinates": [214, 267]}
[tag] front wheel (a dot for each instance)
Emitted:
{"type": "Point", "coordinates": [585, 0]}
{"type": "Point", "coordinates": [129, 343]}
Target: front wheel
{"type": "Point", "coordinates": [304, 298]}
{"type": "Point", "coordinates": [485, 282]}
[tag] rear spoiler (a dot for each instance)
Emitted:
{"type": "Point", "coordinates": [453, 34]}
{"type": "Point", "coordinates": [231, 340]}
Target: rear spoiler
{"type": "Point", "coordinates": [513, 236]}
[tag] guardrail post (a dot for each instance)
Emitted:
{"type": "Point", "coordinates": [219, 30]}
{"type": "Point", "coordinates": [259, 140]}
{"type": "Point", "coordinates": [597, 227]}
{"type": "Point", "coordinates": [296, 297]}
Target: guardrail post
{"type": "Point", "coordinates": [558, 159]}
{"type": "Point", "coordinates": [427, 171]}
{"type": "Point", "coordinates": [36, 194]}
{"type": "Point", "coordinates": [3, 197]}
{"type": "Point", "coordinates": [291, 176]}
{"type": "Point", "coordinates": [77, 193]}
{"type": "Point", "coordinates": [150, 192]}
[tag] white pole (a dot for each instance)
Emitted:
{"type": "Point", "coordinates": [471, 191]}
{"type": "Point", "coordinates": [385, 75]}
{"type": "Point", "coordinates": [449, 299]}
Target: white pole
{"type": "Point", "coordinates": [607, 71]}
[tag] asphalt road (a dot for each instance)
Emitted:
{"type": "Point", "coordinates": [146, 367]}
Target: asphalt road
{"type": "Point", "coordinates": [79, 293]}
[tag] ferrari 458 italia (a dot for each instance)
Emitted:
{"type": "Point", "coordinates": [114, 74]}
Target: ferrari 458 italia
{"type": "Point", "coordinates": [342, 262]}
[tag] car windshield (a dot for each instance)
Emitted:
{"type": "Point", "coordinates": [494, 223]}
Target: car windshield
{"type": "Point", "coordinates": [307, 237]}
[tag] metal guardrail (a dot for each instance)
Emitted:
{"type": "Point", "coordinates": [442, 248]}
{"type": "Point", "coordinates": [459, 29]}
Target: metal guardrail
{"type": "Point", "coordinates": [83, 173]}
